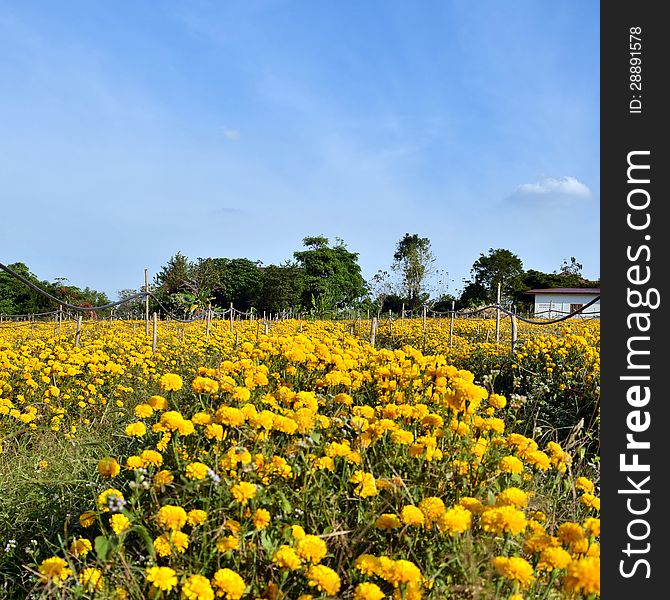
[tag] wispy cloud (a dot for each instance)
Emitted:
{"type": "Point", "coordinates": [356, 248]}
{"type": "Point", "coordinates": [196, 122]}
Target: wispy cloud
{"type": "Point", "coordinates": [550, 191]}
{"type": "Point", "coordinates": [231, 134]}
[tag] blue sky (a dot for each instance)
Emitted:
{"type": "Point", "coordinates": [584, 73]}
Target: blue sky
{"type": "Point", "coordinates": [133, 130]}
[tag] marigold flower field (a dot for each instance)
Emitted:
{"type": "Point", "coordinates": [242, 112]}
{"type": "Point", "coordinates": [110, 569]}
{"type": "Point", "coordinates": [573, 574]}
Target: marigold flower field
{"type": "Point", "coordinates": [299, 464]}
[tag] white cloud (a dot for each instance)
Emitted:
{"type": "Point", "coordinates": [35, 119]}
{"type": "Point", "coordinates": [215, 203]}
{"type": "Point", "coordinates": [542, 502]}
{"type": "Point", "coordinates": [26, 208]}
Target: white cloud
{"type": "Point", "coordinates": [231, 134]}
{"type": "Point", "coordinates": [552, 192]}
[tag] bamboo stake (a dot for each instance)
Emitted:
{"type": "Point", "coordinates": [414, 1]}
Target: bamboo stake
{"type": "Point", "coordinates": [77, 335]}
{"type": "Point", "coordinates": [231, 317]}
{"type": "Point", "coordinates": [451, 325]}
{"type": "Point", "coordinates": [373, 331]}
{"type": "Point", "coordinates": [209, 323]}
{"type": "Point", "coordinates": [498, 316]}
{"type": "Point", "coordinates": [514, 333]}
{"type": "Point", "coordinates": [146, 300]}
{"type": "Point", "coordinates": [155, 338]}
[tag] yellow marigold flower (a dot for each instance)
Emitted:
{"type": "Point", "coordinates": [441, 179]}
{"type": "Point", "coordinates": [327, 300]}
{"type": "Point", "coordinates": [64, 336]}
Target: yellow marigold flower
{"type": "Point", "coordinates": [368, 591]}
{"type": "Point", "coordinates": [510, 464]}
{"type": "Point", "coordinates": [432, 507]}
{"type": "Point", "coordinates": [151, 458]}
{"type": "Point", "coordinates": [197, 471]}
{"type": "Point", "coordinates": [554, 557]}
{"type": "Point", "coordinates": [137, 429]}
{"type": "Point", "coordinates": [311, 548]}
{"type": "Point", "coordinates": [163, 478]}
{"type": "Point", "coordinates": [143, 411]}
{"type": "Point", "coordinates": [538, 459]}
{"type": "Point", "coordinates": [261, 518]}
{"type": "Point", "coordinates": [86, 519]}
{"type": "Point", "coordinates": [287, 558]}
{"type": "Point", "coordinates": [515, 569]}
{"type": "Point", "coordinates": [590, 500]}
{"type": "Point", "coordinates": [201, 418]}
{"type": "Point", "coordinates": [162, 578]}
{"type": "Point", "coordinates": [204, 385]}
{"type": "Point", "coordinates": [214, 431]}
{"type": "Point", "coordinates": [228, 543]}
{"type": "Point", "coordinates": [171, 517]}
{"type": "Point", "coordinates": [157, 402]}
{"type": "Point", "coordinates": [497, 401]}
{"type": "Point", "coordinates": [233, 526]}
{"type": "Point", "coordinates": [503, 519]}
{"type": "Point", "coordinates": [402, 437]}
{"type": "Point", "coordinates": [472, 504]}
{"type": "Point", "coordinates": [366, 484]}
{"type": "Point", "coordinates": [388, 521]}
{"type": "Point", "coordinates": [583, 576]}
{"type": "Point", "coordinates": [592, 526]}
{"type": "Point", "coordinates": [412, 515]}
{"type": "Point", "coordinates": [119, 523]}
{"type": "Point", "coordinates": [228, 584]}
{"type": "Point", "coordinates": [324, 579]}
{"type": "Point", "coordinates": [196, 517]}
{"type": "Point", "coordinates": [168, 541]}
{"type": "Point", "coordinates": [456, 520]}
{"type": "Point", "coordinates": [584, 484]}
{"type": "Point", "coordinates": [398, 572]}
{"type": "Point", "coordinates": [297, 532]}
{"type": "Point", "coordinates": [54, 570]}
{"type": "Point", "coordinates": [197, 587]}
{"type": "Point", "coordinates": [134, 462]}
{"type": "Point", "coordinates": [110, 497]}
{"type": "Point", "coordinates": [80, 546]}
{"type": "Point", "coordinates": [108, 467]}
{"type": "Point", "coordinates": [325, 462]}
{"type": "Point", "coordinates": [91, 578]}
{"type": "Point", "coordinates": [243, 492]}
{"type": "Point", "coordinates": [570, 533]}
{"type": "Point", "coordinates": [367, 564]}
{"type": "Point", "coordinates": [170, 382]}
{"type": "Point", "coordinates": [512, 496]}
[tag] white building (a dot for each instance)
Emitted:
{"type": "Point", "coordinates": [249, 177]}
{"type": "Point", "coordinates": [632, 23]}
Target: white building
{"type": "Point", "coordinates": [551, 303]}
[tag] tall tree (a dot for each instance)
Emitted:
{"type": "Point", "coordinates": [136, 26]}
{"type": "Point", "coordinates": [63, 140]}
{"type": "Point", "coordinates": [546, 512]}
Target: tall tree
{"type": "Point", "coordinates": [413, 260]}
{"type": "Point", "coordinates": [499, 266]}
{"type": "Point", "coordinates": [282, 288]}
{"type": "Point", "coordinates": [332, 275]}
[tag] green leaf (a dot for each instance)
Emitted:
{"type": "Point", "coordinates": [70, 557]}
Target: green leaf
{"type": "Point", "coordinates": [146, 538]}
{"type": "Point", "coordinates": [104, 547]}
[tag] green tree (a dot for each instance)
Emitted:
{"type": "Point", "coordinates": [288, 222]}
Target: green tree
{"type": "Point", "coordinates": [413, 261]}
{"type": "Point", "coordinates": [16, 298]}
{"type": "Point", "coordinates": [281, 288]}
{"type": "Point", "coordinates": [332, 275]}
{"type": "Point", "coordinates": [499, 266]}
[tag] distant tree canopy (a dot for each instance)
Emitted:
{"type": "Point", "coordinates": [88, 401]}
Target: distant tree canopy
{"type": "Point", "coordinates": [16, 298]}
{"type": "Point", "coordinates": [321, 277]}
{"type": "Point", "coordinates": [413, 261]}
{"type": "Point", "coordinates": [331, 275]}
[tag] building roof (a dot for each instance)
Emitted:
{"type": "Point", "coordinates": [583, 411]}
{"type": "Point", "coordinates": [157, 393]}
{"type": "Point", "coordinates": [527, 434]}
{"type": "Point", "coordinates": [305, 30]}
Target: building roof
{"type": "Point", "coordinates": [585, 291]}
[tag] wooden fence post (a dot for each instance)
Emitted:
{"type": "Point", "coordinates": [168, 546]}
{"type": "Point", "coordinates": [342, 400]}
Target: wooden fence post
{"type": "Point", "coordinates": [146, 300]}
{"type": "Point", "coordinates": [155, 338]}
{"type": "Point", "coordinates": [514, 333]}
{"type": "Point", "coordinates": [498, 316]}
{"type": "Point", "coordinates": [77, 335]}
{"type": "Point", "coordinates": [373, 331]}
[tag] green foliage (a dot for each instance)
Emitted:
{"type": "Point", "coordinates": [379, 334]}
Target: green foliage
{"type": "Point", "coordinates": [499, 266]}
{"type": "Point", "coordinates": [332, 275]}
{"type": "Point", "coordinates": [282, 288]}
{"type": "Point", "coordinates": [412, 260]}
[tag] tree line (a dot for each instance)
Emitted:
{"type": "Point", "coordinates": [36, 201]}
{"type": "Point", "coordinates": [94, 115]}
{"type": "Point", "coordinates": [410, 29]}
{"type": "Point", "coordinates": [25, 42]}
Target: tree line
{"type": "Point", "coordinates": [322, 278]}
